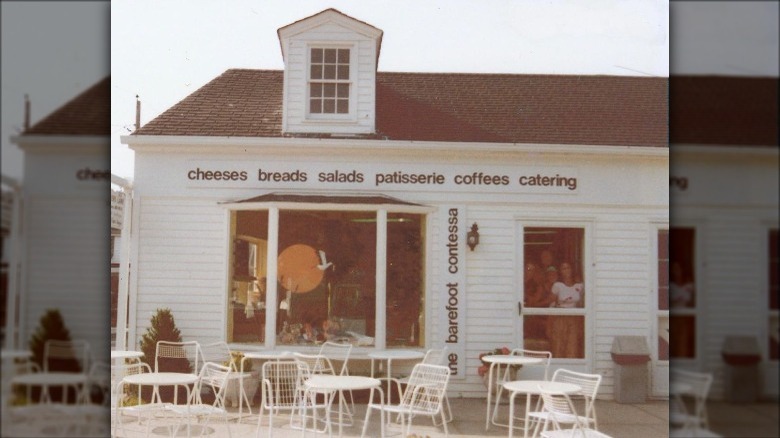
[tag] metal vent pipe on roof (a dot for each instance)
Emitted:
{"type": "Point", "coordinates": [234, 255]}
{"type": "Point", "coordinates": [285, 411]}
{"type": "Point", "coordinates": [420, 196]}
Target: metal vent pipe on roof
{"type": "Point", "coordinates": [26, 112]}
{"type": "Point", "coordinates": [137, 113]}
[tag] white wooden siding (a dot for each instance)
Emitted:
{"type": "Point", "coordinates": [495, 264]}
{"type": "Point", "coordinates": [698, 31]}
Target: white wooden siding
{"type": "Point", "coordinates": [66, 241]}
{"type": "Point", "coordinates": [181, 265]}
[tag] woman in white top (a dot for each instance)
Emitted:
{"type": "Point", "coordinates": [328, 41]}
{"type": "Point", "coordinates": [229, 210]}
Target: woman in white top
{"type": "Point", "coordinates": [569, 293]}
{"type": "Point", "coordinates": [568, 331]}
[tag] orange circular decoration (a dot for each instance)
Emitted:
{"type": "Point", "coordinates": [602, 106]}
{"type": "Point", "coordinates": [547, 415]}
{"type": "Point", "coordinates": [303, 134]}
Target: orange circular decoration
{"type": "Point", "coordinates": [297, 268]}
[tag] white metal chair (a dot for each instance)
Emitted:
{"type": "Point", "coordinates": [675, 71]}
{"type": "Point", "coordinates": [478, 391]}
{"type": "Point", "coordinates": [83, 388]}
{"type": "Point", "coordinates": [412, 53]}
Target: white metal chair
{"type": "Point", "coordinates": [339, 353]}
{"type": "Point", "coordinates": [213, 377]}
{"type": "Point", "coordinates": [434, 356]}
{"type": "Point", "coordinates": [696, 386]}
{"type": "Point", "coordinates": [120, 392]}
{"type": "Point", "coordinates": [167, 353]}
{"type": "Point", "coordinates": [56, 353]}
{"type": "Point", "coordinates": [590, 387]}
{"type": "Point", "coordinates": [282, 390]}
{"type": "Point", "coordinates": [505, 376]}
{"type": "Point", "coordinates": [424, 395]}
{"type": "Point", "coordinates": [561, 410]}
{"type": "Point", "coordinates": [220, 352]}
{"type": "Point", "coordinates": [321, 364]}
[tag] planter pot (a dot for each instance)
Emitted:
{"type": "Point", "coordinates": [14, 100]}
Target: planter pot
{"type": "Point", "coordinates": [233, 391]}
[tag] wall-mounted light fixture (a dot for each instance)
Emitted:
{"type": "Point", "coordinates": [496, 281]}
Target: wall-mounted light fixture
{"type": "Point", "coordinates": [472, 237]}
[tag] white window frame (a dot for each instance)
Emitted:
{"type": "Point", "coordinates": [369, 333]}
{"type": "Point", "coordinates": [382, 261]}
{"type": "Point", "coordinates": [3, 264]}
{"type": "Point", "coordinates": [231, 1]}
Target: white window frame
{"type": "Point", "coordinates": [588, 273]}
{"type": "Point", "coordinates": [349, 116]}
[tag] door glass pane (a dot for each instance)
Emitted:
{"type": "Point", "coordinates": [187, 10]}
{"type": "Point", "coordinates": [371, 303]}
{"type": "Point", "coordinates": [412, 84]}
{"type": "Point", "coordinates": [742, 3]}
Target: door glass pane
{"type": "Point", "coordinates": [554, 279]}
{"type": "Point", "coordinates": [682, 293]}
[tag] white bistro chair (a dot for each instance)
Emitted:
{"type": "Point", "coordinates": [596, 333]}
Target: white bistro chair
{"type": "Point", "coordinates": [693, 387]}
{"type": "Point", "coordinates": [590, 387]}
{"type": "Point", "coordinates": [424, 395]}
{"type": "Point", "coordinates": [560, 412]}
{"type": "Point", "coordinates": [212, 377]}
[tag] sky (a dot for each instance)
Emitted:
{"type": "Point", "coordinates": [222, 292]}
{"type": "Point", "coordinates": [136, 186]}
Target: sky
{"type": "Point", "coordinates": [158, 54]}
{"type": "Point", "coordinates": [51, 51]}
{"type": "Point", "coordinates": [163, 51]}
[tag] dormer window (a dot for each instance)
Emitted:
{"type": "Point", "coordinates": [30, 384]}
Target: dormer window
{"type": "Point", "coordinates": [329, 81]}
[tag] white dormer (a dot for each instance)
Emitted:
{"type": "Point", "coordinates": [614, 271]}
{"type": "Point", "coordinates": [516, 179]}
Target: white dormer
{"type": "Point", "coordinates": [330, 62]}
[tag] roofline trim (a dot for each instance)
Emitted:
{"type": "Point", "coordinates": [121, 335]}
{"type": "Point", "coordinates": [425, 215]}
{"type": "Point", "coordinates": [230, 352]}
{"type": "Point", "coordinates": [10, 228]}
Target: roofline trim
{"type": "Point", "coordinates": [172, 142]}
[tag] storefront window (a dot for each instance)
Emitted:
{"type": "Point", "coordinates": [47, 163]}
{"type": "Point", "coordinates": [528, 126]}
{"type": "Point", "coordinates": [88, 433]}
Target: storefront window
{"type": "Point", "coordinates": [405, 279]}
{"type": "Point", "coordinates": [326, 278]}
{"type": "Point", "coordinates": [246, 299]}
{"type": "Point", "coordinates": [554, 292]}
{"type": "Point", "coordinates": [682, 293]}
{"type": "Point", "coordinates": [774, 290]}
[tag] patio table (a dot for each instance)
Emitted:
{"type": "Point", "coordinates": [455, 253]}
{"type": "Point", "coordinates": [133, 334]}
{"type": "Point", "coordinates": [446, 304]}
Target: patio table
{"type": "Point", "coordinates": [155, 380]}
{"type": "Point", "coordinates": [529, 388]}
{"type": "Point", "coordinates": [46, 380]}
{"type": "Point", "coordinates": [495, 361]}
{"type": "Point", "coordinates": [332, 384]}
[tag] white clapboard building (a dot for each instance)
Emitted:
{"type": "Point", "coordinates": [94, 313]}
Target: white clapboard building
{"type": "Point", "coordinates": [724, 237]}
{"type": "Point", "coordinates": [64, 206]}
{"type": "Point", "coordinates": [405, 210]}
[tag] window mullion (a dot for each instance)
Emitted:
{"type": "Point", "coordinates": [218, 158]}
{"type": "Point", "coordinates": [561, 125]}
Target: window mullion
{"type": "Point", "coordinates": [380, 328]}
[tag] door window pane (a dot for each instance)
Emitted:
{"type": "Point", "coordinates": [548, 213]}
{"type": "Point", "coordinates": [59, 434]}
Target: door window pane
{"type": "Point", "coordinates": [554, 291]}
{"type": "Point", "coordinates": [682, 293]}
{"type": "Point", "coordinates": [405, 279]}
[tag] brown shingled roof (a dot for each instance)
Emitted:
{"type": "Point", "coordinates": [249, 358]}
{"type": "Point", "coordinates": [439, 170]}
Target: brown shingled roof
{"type": "Point", "coordinates": [719, 110]}
{"type": "Point", "coordinates": [603, 110]}
{"type": "Point", "coordinates": [89, 113]}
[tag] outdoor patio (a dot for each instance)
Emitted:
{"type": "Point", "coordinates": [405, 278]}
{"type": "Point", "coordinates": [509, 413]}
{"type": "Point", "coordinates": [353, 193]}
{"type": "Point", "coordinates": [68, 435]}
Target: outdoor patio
{"type": "Point", "coordinates": [646, 420]}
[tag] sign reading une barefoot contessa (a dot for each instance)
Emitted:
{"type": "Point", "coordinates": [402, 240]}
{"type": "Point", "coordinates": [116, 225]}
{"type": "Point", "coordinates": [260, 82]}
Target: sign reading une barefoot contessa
{"type": "Point", "coordinates": [452, 298]}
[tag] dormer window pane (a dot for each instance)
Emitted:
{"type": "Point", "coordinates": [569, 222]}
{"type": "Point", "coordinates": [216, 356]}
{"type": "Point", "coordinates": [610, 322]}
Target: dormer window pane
{"type": "Point", "coordinates": [329, 86]}
{"type": "Point", "coordinates": [343, 72]}
{"type": "Point", "coordinates": [330, 72]}
{"type": "Point", "coordinates": [329, 106]}
{"type": "Point", "coordinates": [316, 71]}
{"type": "Point", "coordinates": [316, 55]}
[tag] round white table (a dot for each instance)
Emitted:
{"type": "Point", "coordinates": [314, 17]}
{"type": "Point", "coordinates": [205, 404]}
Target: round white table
{"type": "Point", "coordinates": [126, 354]}
{"type": "Point", "coordinates": [389, 356]}
{"type": "Point", "coordinates": [162, 379]}
{"type": "Point", "coordinates": [529, 388]}
{"type": "Point", "coordinates": [46, 380]}
{"type": "Point", "coordinates": [496, 361]}
{"type": "Point", "coordinates": [330, 385]}
{"type": "Point", "coordinates": [255, 355]}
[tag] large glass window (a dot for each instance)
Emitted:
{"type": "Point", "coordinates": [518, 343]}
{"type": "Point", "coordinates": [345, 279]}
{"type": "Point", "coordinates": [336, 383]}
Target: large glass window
{"type": "Point", "coordinates": [682, 293]}
{"type": "Point", "coordinates": [326, 278]}
{"type": "Point", "coordinates": [247, 287]}
{"type": "Point", "coordinates": [554, 291]}
{"type": "Point", "coordinates": [329, 81]}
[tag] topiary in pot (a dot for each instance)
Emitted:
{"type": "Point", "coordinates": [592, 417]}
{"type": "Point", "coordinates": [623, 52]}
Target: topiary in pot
{"type": "Point", "coordinates": [51, 327]}
{"type": "Point", "coordinates": [163, 328]}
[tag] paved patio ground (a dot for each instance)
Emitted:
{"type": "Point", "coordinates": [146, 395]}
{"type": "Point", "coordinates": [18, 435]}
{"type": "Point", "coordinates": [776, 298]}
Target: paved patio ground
{"type": "Point", "coordinates": [643, 420]}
